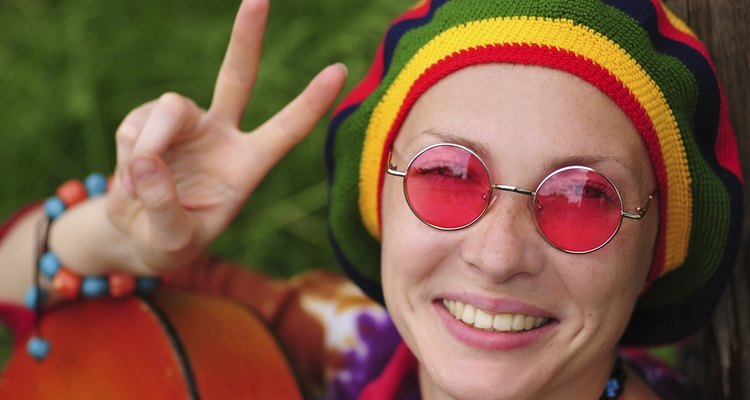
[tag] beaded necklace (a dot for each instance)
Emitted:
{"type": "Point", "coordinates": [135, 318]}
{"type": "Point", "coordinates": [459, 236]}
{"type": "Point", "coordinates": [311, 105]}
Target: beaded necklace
{"type": "Point", "coordinates": [616, 383]}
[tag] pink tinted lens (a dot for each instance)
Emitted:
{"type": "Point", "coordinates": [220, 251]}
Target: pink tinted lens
{"type": "Point", "coordinates": [577, 209]}
{"type": "Point", "coordinates": [447, 187]}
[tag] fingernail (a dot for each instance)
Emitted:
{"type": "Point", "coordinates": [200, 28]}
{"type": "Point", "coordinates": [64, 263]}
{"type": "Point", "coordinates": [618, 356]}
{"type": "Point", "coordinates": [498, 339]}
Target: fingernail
{"type": "Point", "coordinates": [343, 66]}
{"type": "Point", "coordinates": [143, 168]}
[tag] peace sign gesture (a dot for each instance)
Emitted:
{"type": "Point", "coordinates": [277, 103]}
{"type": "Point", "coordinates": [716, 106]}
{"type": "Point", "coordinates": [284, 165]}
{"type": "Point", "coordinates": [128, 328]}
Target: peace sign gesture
{"type": "Point", "coordinates": [183, 173]}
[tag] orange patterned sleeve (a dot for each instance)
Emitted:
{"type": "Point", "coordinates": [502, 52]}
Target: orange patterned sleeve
{"type": "Point", "coordinates": [337, 339]}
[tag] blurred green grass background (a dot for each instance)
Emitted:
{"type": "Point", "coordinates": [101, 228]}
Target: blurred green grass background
{"type": "Point", "coordinates": [70, 71]}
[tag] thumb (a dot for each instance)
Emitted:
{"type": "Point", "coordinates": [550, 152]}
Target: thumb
{"type": "Point", "coordinates": [169, 225]}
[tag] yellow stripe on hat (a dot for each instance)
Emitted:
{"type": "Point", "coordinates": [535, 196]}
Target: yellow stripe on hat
{"type": "Point", "coordinates": [679, 24]}
{"type": "Point", "coordinates": [556, 33]}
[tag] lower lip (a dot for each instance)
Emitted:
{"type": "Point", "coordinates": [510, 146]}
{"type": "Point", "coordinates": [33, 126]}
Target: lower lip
{"type": "Point", "coordinates": [496, 341]}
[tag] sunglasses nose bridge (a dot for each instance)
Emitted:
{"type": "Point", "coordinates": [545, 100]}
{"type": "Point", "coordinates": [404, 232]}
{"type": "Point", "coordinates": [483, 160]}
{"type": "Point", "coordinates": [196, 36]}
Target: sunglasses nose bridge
{"type": "Point", "coordinates": [514, 189]}
{"type": "Point", "coordinates": [528, 194]}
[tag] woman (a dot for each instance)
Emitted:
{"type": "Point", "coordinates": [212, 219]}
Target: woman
{"type": "Point", "coordinates": [451, 73]}
{"type": "Point", "coordinates": [523, 184]}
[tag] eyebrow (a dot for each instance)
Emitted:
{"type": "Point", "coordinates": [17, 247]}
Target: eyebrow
{"type": "Point", "coordinates": [477, 147]}
{"type": "Point", "coordinates": [555, 163]}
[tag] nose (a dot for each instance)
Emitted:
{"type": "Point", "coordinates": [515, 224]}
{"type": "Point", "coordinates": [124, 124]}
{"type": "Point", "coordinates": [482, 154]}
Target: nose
{"type": "Point", "coordinates": [505, 243]}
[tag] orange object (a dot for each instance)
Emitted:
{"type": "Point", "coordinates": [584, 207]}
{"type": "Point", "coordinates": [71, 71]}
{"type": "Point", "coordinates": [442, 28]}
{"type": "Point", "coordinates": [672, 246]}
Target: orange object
{"type": "Point", "coordinates": [72, 192]}
{"type": "Point", "coordinates": [176, 345]}
{"type": "Point", "coordinates": [121, 284]}
{"type": "Point", "coordinates": [67, 283]}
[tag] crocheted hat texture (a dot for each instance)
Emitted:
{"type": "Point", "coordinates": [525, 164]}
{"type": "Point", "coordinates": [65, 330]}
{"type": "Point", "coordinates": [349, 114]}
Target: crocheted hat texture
{"type": "Point", "coordinates": [635, 51]}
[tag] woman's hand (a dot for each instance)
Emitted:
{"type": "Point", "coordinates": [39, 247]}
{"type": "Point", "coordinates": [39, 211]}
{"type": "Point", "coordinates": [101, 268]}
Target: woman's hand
{"type": "Point", "coordinates": [183, 173]}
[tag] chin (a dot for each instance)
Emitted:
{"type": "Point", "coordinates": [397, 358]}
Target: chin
{"type": "Point", "coordinates": [453, 371]}
{"type": "Point", "coordinates": [467, 380]}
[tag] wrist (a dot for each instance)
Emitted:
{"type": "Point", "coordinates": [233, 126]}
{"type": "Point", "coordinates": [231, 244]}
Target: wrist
{"type": "Point", "coordinates": [86, 240]}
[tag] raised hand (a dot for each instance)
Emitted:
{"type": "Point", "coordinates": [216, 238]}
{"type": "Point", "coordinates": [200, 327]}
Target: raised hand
{"type": "Point", "coordinates": [183, 173]}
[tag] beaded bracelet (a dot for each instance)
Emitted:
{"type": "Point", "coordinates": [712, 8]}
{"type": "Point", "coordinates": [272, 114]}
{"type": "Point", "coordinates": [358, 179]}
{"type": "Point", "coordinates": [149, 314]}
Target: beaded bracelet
{"type": "Point", "coordinates": [63, 281]}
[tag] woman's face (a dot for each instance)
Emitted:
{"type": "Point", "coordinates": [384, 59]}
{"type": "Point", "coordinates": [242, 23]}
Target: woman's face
{"type": "Point", "coordinates": [528, 121]}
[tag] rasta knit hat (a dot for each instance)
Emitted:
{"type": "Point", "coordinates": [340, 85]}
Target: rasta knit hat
{"type": "Point", "coordinates": [635, 51]}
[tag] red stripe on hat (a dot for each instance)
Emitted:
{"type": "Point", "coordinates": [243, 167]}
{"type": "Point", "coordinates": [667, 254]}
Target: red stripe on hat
{"type": "Point", "coordinates": [367, 85]}
{"type": "Point", "coordinates": [374, 75]}
{"type": "Point", "coordinates": [726, 148]}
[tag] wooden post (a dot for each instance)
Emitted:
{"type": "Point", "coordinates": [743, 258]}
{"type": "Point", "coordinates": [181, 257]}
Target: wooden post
{"type": "Point", "coordinates": [718, 358]}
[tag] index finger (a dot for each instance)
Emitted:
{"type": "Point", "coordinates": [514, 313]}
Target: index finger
{"type": "Point", "coordinates": [240, 66]}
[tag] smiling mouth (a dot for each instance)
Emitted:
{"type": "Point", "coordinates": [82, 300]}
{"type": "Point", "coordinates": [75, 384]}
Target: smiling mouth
{"type": "Point", "coordinates": [484, 320]}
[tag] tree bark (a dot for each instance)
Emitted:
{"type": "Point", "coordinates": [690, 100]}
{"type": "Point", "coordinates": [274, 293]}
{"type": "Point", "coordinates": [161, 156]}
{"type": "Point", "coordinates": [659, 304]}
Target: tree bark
{"type": "Point", "coordinates": [718, 359]}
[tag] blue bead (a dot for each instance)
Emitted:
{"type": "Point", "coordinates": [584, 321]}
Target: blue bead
{"type": "Point", "coordinates": [38, 347]}
{"type": "Point", "coordinates": [146, 283]}
{"type": "Point", "coordinates": [54, 207]}
{"type": "Point", "coordinates": [49, 264]}
{"type": "Point", "coordinates": [94, 286]}
{"type": "Point", "coordinates": [33, 296]}
{"type": "Point", "coordinates": [612, 386]}
{"type": "Point", "coordinates": [96, 185]}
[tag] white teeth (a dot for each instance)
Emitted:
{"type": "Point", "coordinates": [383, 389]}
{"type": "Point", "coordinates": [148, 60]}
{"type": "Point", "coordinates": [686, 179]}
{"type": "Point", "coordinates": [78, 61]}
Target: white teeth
{"type": "Point", "coordinates": [518, 322]}
{"type": "Point", "coordinates": [459, 311]}
{"type": "Point", "coordinates": [468, 315]}
{"type": "Point", "coordinates": [481, 319]}
{"type": "Point", "coordinates": [503, 322]}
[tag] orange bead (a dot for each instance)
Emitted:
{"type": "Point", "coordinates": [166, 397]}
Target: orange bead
{"type": "Point", "coordinates": [121, 284]}
{"type": "Point", "coordinates": [67, 283]}
{"type": "Point", "coordinates": [72, 192]}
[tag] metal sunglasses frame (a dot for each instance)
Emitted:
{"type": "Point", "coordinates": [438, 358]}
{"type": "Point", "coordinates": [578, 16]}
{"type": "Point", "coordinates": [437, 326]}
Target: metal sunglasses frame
{"type": "Point", "coordinates": [639, 213]}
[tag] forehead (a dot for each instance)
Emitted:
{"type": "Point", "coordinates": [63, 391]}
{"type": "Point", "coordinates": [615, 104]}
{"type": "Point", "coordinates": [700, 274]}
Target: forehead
{"type": "Point", "coordinates": [525, 116]}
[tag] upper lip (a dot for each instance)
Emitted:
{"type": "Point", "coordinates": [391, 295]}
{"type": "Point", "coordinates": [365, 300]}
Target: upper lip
{"type": "Point", "coordinates": [499, 305]}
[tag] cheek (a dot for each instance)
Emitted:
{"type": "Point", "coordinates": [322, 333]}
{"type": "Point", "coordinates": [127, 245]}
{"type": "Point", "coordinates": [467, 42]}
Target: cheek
{"type": "Point", "coordinates": [411, 251]}
{"type": "Point", "coordinates": [400, 274]}
{"type": "Point", "coordinates": [401, 237]}
{"type": "Point", "coordinates": [395, 239]}
{"type": "Point", "coordinates": [615, 277]}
